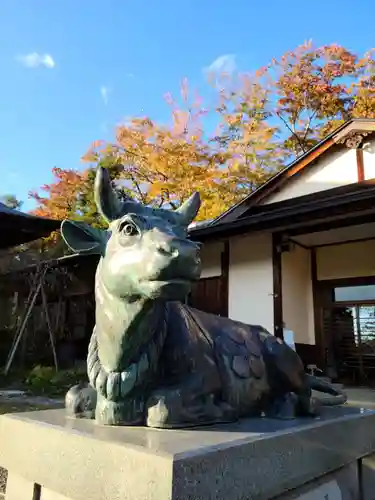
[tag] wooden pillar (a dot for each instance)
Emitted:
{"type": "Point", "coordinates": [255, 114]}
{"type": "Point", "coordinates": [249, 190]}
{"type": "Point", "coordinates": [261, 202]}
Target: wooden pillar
{"type": "Point", "coordinates": [225, 279]}
{"type": "Point", "coordinates": [277, 286]}
{"type": "Point", "coordinates": [318, 311]}
{"type": "Point", "coordinates": [360, 165]}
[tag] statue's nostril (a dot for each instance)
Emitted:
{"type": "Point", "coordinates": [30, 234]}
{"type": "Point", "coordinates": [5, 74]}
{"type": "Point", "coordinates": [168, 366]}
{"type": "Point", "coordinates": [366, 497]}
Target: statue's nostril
{"type": "Point", "coordinates": [163, 250]}
{"type": "Point", "coordinates": [168, 250]}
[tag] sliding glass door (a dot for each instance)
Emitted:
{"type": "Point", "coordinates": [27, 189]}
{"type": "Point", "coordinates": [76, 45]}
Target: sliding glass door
{"type": "Point", "coordinates": [349, 332]}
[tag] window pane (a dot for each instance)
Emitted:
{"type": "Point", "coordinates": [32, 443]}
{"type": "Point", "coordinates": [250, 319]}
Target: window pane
{"type": "Point", "coordinates": [355, 293]}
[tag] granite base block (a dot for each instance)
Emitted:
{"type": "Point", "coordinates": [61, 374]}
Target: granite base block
{"type": "Point", "coordinates": [368, 475]}
{"type": "Point", "coordinates": [342, 484]}
{"type": "Point", "coordinates": [252, 459]}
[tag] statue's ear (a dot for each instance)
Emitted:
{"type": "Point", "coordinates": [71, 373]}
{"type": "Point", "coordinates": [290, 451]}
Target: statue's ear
{"type": "Point", "coordinates": [82, 238]}
{"type": "Point", "coordinates": [189, 209]}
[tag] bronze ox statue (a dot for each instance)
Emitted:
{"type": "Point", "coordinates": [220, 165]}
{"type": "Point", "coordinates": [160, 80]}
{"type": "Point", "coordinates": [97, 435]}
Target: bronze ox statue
{"type": "Point", "coordinates": [155, 361]}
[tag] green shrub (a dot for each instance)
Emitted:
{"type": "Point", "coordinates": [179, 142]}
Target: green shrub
{"type": "Point", "coordinates": [45, 379]}
{"type": "Point", "coordinates": [40, 377]}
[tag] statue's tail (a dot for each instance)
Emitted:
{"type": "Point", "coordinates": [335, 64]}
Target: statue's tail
{"type": "Point", "coordinates": [339, 397]}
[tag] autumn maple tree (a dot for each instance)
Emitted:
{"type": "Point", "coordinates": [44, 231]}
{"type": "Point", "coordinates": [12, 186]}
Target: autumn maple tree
{"type": "Point", "coordinates": [163, 165]}
{"type": "Point", "coordinates": [263, 120]}
{"type": "Point", "coordinates": [317, 89]}
{"type": "Point", "coordinates": [58, 198]}
{"type": "Point", "coordinates": [246, 138]}
{"type": "Point", "coordinates": [71, 195]}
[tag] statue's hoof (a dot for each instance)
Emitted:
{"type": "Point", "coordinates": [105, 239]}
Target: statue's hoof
{"type": "Point", "coordinates": [80, 401]}
{"type": "Point", "coordinates": [314, 408]}
{"type": "Point", "coordinates": [119, 412]}
{"type": "Point", "coordinates": [282, 408]}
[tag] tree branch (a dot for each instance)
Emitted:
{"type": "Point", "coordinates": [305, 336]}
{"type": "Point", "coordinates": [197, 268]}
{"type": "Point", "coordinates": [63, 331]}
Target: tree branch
{"type": "Point", "coordinates": [292, 131]}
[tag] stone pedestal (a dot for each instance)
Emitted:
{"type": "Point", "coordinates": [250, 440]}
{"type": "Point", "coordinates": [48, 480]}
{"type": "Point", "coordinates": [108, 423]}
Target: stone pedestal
{"type": "Point", "coordinates": [50, 457]}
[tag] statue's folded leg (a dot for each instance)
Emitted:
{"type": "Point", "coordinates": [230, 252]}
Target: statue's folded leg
{"type": "Point", "coordinates": [80, 401]}
{"type": "Point", "coordinates": [83, 401]}
{"type": "Point", "coordinates": [128, 412]}
{"type": "Point", "coordinates": [173, 407]}
{"type": "Point", "coordinates": [307, 406]}
{"type": "Point", "coordinates": [282, 407]}
{"type": "Point", "coordinates": [292, 405]}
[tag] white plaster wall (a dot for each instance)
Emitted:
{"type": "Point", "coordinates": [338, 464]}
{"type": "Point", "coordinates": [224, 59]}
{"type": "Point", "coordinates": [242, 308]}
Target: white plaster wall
{"type": "Point", "coordinates": [330, 171]}
{"type": "Point", "coordinates": [250, 284]}
{"type": "Point", "coordinates": [211, 259]}
{"type": "Point", "coordinates": [298, 308]}
{"type": "Point", "coordinates": [369, 159]}
{"type": "Point", "coordinates": [349, 260]}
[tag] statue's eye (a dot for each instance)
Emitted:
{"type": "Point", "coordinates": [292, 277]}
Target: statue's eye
{"type": "Point", "coordinates": [129, 229]}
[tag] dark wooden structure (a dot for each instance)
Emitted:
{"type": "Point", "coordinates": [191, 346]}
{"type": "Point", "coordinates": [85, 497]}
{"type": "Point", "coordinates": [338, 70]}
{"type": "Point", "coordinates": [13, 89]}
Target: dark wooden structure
{"type": "Point", "coordinates": [211, 294]}
{"type": "Point", "coordinates": [18, 227]}
{"type": "Point", "coordinates": [50, 312]}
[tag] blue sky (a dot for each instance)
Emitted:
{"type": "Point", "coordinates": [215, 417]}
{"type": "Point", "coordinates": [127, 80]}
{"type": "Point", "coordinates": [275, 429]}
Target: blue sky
{"type": "Point", "coordinates": [58, 56]}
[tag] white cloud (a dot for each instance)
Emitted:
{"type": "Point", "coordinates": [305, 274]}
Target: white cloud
{"type": "Point", "coordinates": [104, 92]}
{"type": "Point", "coordinates": [222, 64]}
{"type": "Point", "coordinates": [35, 60]}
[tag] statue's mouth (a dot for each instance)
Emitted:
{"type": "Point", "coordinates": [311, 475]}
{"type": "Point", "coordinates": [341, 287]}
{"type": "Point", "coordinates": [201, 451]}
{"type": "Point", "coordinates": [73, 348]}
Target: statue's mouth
{"type": "Point", "coordinates": [174, 281]}
{"type": "Point", "coordinates": [181, 278]}
{"type": "Point", "coordinates": [172, 288]}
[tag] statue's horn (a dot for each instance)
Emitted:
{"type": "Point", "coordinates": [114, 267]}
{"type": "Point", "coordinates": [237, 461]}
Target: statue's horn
{"type": "Point", "coordinates": [106, 199]}
{"type": "Point", "coordinates": [189, 209]}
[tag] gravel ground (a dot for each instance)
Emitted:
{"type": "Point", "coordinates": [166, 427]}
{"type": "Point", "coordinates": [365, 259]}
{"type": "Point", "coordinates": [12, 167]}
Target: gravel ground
{"type": "Point", "coordinates": [3, 481]}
